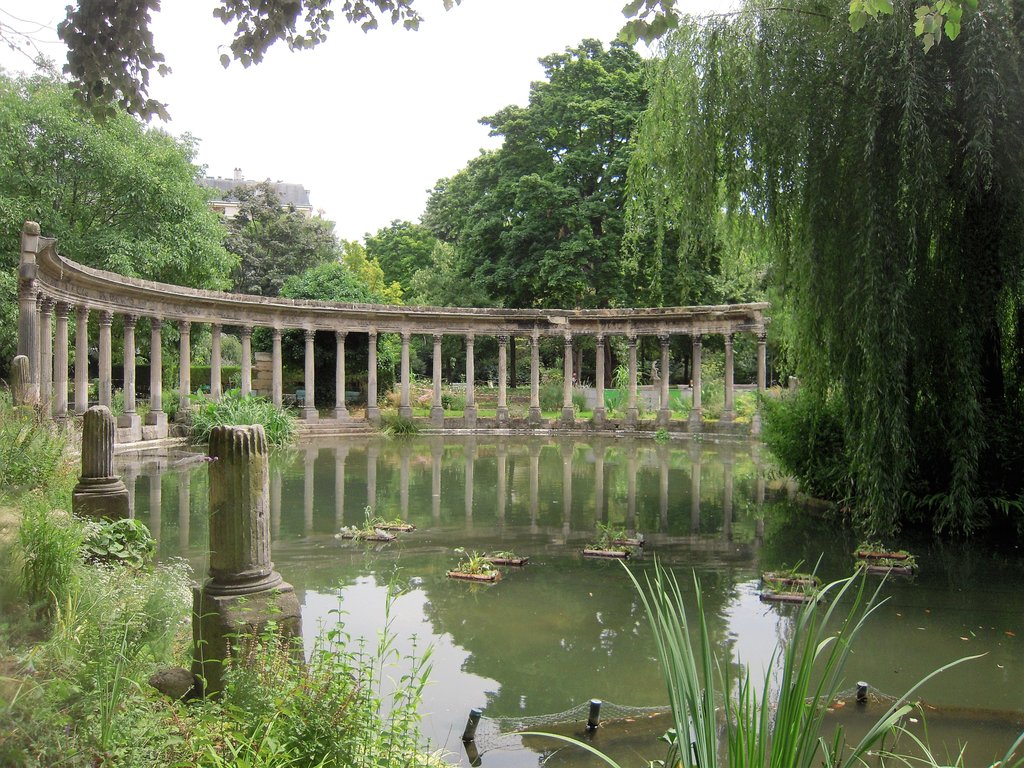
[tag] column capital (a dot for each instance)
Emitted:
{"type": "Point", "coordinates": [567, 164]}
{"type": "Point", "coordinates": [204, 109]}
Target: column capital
{"type": "Point", "coordinates": [45, 304]}
{"type": "Point", "coordinates": [275, 333]}
{"type": "Point", "coordinates": [631, 339]}
{"type": "Point", "coordinates": [63, 309]}
{"type": "Point", "coordinates": [729, 338]}
{"type": "Point", "coordinates": [698, 339]}
{"type": "Point", "coordinates": [406, 336]}
{"type": "Point", "coordinates": [762, 337]}
{"type": "Point", "coordinates": [156, 324]}
{"type": "Point", "coordinates": [130, 320]}
{"type": "Point", "coordinates": [535, 338]}
{"type": "Point", "coordinates": [372, 333]}
{"type": "Point", "coordinates": [245, 331]}
{"type": "Point", "coordinates": [470, 339]}
{"type": "Point", "coordinates": [340, 335]}
{"type": "Point", "coordinates": [567, 338]}
{"type": "Point", "coordinates": [185, 327]}
{"type": "Point", "coordinates": [502, 339]}
{"type": "Point", "coordinates": [309, 333]}
{"type": "Point", "coordinates": [106, 317]}
{"type": "Point", "coordinates": [82, 313]}
{"type": "Point", "coordinates": [216, 327]}
{"type": "Point", "coordinates": [599, 339]}
{"type": "Point", "coordinates": [664, 339]}
{"type": "Point", "coordinates": [438, 338]}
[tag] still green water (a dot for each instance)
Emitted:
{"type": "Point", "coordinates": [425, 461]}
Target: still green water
{"type": "Point", "coordinates": [564, 629]}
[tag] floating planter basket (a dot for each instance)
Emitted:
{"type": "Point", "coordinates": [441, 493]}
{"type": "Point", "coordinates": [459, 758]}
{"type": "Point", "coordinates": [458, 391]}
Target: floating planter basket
{"type": "Point", "coordinates": [397, 527]}
{"type": "Point", "coordinates": [500, 560]}
{"type": "Point", "coordinates": [789, 587]}
{"type": "Point", "coordinates": [488, 576]}
{"type": "Point", "coordinates": [619, 553]}
{"type": "Point", "coordinates": [769, 596]}
{"type": "Point", "coordinates": [361, 535]}
{"type": "Point", "coordinates": [636, 543]}
{"type": "Point", "coordinates": [881, 562]}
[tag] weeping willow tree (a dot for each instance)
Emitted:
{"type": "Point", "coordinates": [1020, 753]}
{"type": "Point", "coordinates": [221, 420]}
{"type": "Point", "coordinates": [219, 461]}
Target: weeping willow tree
{"type": "Point", "coordinates": [887, 182]}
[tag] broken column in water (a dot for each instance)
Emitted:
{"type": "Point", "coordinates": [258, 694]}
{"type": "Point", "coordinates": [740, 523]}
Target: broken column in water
{"type": "Point", "coordinates": [99, 493]}
{"type": "Point", "coordinates": [244, 593]}
{"type": "Point", "coordinates": [21, 381]}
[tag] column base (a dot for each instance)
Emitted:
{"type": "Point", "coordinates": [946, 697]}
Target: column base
{"type": "Point", "coordinates": [727, 417]}
{"type": "Point", "coordinates": [664, 417]}
{"type": "Point", "coordinates": [632, 416]}
{"type": "Point", "coordinates": [568, 414]}
{"type": "Point", "coordinates": [129, 428]}
{"type": "Point", "coordinates": [469, 416]}
{"type": "Point", "coordinates": [101, 497]}
{"type": "Point", "coordinates": [502, 415]}
{"type": "Point", "coordinates": [309, 414]}
{"type": "Point", "coordinates": [373, 414]}
{"type": "Point", "coordinates": [341, 414]}
{"type": "Point", "coordinates": [405, 411]}
{"type": "Point", "coordinates": [535, 416]}
{"type": "Point", "coordinates": [695, 420]}
{"type": "Point", "coordinates": [437, 415]}
{"type": "Point", "coordinates": [600, 416]}
{"type": "Point", "coordinates": [755, 423]}
{"type": "Point", "coordinates": [222, 624]}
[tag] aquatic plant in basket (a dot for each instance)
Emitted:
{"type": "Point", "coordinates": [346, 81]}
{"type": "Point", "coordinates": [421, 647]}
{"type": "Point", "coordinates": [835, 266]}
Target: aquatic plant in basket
{"type": "Point", "coordinates": [473, 566]}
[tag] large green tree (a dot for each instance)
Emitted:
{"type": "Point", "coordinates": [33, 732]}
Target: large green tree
{"type": "Point", "coordinates": [274, 242]}
{"type": "Point", "coordinates": [401, 248]}
{"type": "Point", "coordinates": [539, 221]}
{"type": "Point", "coordinates": [890, 184]}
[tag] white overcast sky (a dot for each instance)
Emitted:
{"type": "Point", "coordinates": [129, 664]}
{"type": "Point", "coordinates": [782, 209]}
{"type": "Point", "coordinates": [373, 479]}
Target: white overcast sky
{"type": "Point", "coordinates": [366, 122]}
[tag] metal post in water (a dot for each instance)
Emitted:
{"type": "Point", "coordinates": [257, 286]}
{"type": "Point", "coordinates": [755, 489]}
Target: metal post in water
{"type": "Point", "coordinates": [474, 720]}
{"type": "Point", "coordinates": [595, 715]}
{"type": "Point", "coordinates": [862, 693]}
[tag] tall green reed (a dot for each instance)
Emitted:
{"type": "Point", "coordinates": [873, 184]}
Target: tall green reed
{"type": "Point", "coordinates": [234, 409]}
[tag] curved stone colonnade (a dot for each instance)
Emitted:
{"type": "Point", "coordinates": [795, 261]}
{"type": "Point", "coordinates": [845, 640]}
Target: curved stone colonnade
{"type": "Point", "coordinates": [50, 284]}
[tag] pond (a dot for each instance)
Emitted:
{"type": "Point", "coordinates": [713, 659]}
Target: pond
{"type": "Point", "coordinates": [532, 649]}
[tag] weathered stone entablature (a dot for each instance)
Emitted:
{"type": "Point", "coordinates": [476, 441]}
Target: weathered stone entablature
{"type": "Point", "coordinates": [48, 280]}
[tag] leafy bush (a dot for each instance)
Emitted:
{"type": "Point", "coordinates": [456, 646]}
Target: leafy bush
{"type": "Point", "coordinates": [49, 544]}
{"type": "Point", "coordinates": [394, 424]}
{"type": "Point", "coordinates": [235, 410]}
{"type": "Point", "coordinates": [123, 542]}
{"type": "Point", "coordinates": [808, 440]}
{"type": "Point", "coordinates": [31, 448]}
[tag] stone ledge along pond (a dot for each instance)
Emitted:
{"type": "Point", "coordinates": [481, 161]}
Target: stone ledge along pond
{"type": "Point", "coordinates": [547, 638]}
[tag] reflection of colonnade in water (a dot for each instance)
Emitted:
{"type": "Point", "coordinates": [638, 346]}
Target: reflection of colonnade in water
{"type": "Point", "coordinates": [599, 484]}
{"type": "Point", "coordinates": [57, 297]}
{"type": "Point", "coordinates": [608, 493]}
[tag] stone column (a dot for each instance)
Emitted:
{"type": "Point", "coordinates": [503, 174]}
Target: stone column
{"type": "Point", "coordinates": [568, 414]}
{"type": "Point", "coordinates": [28, 319]}
{"type": "Point", "coordinates": [46, 353]}
{"type": "Point", "coordinates": [340, 455]}
{"type": "Point", "coordinates": [106, 380]}
{"type": "Point", "coordinates": [436, 409]}
{"type": "Point", "coordinates": [727, 410]}
{"type": "Point", "coordinates": [99, 492]}
{"type": "Point", "coordinates": [404, 407]}
{"type": "Point", "coordinates": [245, 335]}
{"type": "Point", "coordinates": [131, 475]}
{"type": "Point", "coordinates": [403, 479]}
{"type": "Point", "coordinates": [156, 500]}
{"type": "Point", "coordinates": [535, 415]}
{"type": "Point", "coordinates": [21, 382]}
{"type": "Point", "coordinates": [309, 412]}
{"type": "Point", "coordinates": [632, 412]}
{"type": "Point", "coordinates": [631, 488]}
{"type": "Point", "coordinates": [599, 508]}
{"type": "Point", "coordinates": [665, 413]}
{"type": "Point", "coordinates": [215, 387]}
{"type": "Point", "coordinates": [184, 364]}
{"type": "Point", "coordinates": [184, 511]}
{"type": "Point", "coordinates": [340, 409]}
{"type": "Point", "coordinates": [308, 488]}
{"type": "Point", "coordinates": [60, 396]}
{"type": "Point", "coordinates": [762, 369]}
{"type": "Point", "coordinates": [129, 421]}
{"type": "Point", "coordinates": [695, 410]}
{"type": "Point", "coordinates": [600, 413]}
{"type": "Point", "coordinates": [81, 360]}
{"type": "Point", "coordinates": [663, 486]}
{"type": "Point", "coordinates": [156, 417]}
{"type": "Point", "coordinates": [244, 592]}
{"type": "Point", "coordinates": [276, 372]}
{"type": "Point", "coordinates": [502, 413]}
{"type": "Point", "coordinates": [727, 462]}
{"type": "Point", "coordinates": [470, 410]}
{"type": "Point", "coordinates": [372, 409]}
{"type": "Point", "coordinates": [436, 454]}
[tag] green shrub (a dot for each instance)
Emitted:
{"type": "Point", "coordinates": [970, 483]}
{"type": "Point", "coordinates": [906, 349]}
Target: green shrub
{"type": "Point", "coordinates": [31, 448]}
{"type": "Point", "coordinates": [49, 545]}
{"type": "Point", "coordinates": [395, 425]}
{"type": "Point", "coordinates": [807, 438]}
{"type": "Point", "coordinates": [122, 542]}
{"type": "Point", "coordinates": [235, 410]}
{"type": "Point", "coordinates": [200, 376]}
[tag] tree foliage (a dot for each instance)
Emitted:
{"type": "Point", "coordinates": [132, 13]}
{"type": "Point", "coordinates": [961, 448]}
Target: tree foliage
{"type": "Point", "coordinates": [401, 248]}
{"type": "Point", "coordinates": [538, 222]}
{"type": "Point", "coordinates": [111, 52]}
{"type": "Point", "coordinates": [891, 184]}
{"type": "Point", "coordinates": [274, 242]}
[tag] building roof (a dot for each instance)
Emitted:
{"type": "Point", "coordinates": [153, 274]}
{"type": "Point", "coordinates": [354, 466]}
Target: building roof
{"type": "Point", "coordinates": [290, 194]}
